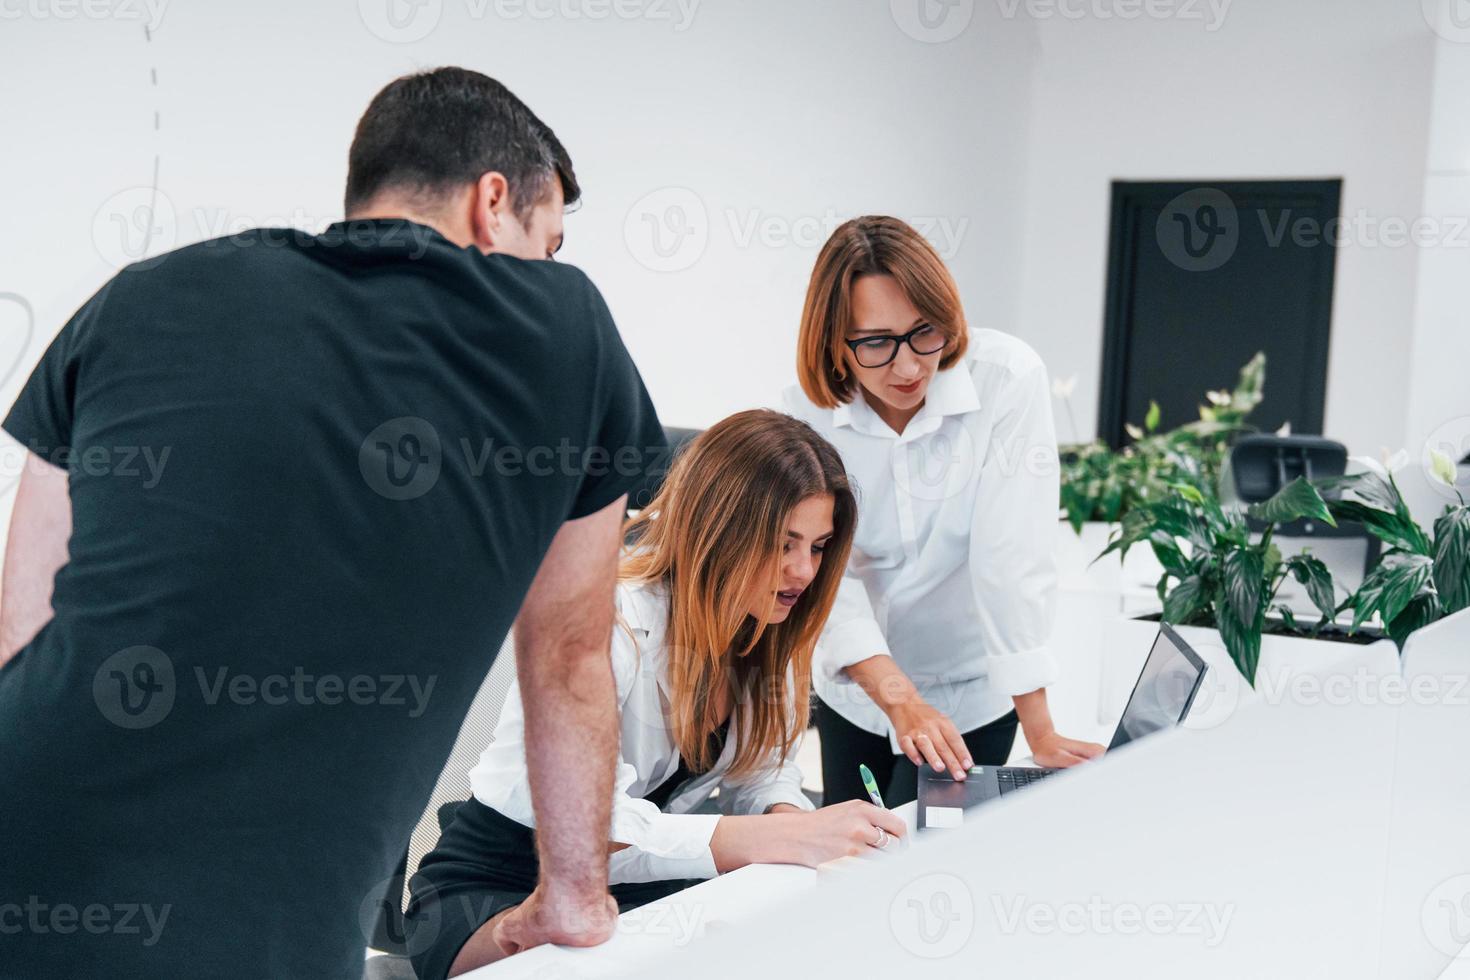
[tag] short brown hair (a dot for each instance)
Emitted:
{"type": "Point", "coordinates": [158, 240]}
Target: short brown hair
{"type": "Point", "coordinates": [429, 133]}
{"type": "Point", "coordinates": [870, 246]}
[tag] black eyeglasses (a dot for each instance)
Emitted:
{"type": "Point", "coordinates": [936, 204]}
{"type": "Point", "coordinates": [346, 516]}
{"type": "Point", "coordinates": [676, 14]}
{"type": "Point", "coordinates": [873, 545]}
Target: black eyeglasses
{"type": "Point", "coordinates": [872, 352]}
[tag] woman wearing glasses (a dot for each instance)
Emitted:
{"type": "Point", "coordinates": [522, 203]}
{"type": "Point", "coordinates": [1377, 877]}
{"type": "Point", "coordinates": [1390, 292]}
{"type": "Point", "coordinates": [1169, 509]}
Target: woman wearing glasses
{"type": "Point", "coordinates": [936, 647]}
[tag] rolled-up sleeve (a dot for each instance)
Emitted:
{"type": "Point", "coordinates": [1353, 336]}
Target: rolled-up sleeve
{"type": "Point", "coordinates": [851, 633]}
{"type": "Point", "coordinates": [1015, 522]}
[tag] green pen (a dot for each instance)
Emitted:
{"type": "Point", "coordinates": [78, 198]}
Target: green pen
{"type": "Point", "coordinates": [871, 785]}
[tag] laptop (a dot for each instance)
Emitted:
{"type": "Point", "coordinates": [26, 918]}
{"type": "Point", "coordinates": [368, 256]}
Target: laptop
{"type": "Point", "coordinates": [1165, 689]}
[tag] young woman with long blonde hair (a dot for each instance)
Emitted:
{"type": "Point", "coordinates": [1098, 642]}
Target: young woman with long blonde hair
{"type": "Point", "coordinates": [734, 569]}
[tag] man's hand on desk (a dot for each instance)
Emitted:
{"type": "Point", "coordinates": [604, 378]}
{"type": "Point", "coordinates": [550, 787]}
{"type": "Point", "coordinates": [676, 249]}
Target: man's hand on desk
{"type": "Point", "coordinates": [569, 918]}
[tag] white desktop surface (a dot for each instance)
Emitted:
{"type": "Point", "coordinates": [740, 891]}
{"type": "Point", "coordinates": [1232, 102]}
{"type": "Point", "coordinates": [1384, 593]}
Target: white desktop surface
{"type": "Point", "coordinates": [1277, 823]}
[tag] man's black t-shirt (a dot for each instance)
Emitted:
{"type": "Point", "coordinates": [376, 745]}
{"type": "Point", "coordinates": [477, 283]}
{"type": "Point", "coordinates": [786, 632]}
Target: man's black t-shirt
{"type": "Point", "coordinates": [311, 480]}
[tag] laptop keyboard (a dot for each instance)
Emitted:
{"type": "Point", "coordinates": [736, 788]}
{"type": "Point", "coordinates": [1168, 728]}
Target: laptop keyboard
{"type": "Point", "coordinates": [1015, 777]}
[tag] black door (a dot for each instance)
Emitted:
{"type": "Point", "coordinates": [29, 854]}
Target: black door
{"type": "Point", "coordinates": [1201, 275]}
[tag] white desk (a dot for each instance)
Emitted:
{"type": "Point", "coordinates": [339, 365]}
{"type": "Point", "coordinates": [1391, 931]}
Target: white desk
{"type": "Point", "coordinates": [1258, 848]}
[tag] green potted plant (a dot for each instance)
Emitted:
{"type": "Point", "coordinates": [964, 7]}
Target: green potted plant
{"type": "Point", "coordinates": [1222, 585]}
{"type": "Point", "coordinates": [1100, 484]}
{"type": "Point", "coordinates": [1420, 577]}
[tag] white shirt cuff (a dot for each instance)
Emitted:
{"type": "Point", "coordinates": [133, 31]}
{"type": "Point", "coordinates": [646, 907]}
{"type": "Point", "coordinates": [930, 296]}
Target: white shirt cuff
{"type": "Point", "coordinates": [1021, 672]}
{"type": "Point", "coordinates": [849, 643]}
{"type": "Point", "coordinates": [640, 824]}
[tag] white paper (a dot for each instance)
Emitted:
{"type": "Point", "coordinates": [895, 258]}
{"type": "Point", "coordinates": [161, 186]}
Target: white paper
{"type": "Point", "coordinates": [943, 816]}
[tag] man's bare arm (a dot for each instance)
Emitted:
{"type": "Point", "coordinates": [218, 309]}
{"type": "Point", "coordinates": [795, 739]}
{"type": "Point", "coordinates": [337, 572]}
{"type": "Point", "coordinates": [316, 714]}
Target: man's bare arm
{"type": "Point", "coordinates": [563, 635]}
{"type": "Point", "coordinates": [40, 525]}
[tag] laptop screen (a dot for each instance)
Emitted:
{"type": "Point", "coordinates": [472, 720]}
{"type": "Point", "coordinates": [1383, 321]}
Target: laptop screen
{"type": "Point", "coordinates": [1170, 678]}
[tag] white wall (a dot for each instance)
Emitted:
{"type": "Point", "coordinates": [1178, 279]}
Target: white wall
{"type": "Point", "coordinates": [1287, 88]}
{"type": "Point", "coordinates": [1438, 390]}
{"type": "Point", "coordinates": [766, 121]}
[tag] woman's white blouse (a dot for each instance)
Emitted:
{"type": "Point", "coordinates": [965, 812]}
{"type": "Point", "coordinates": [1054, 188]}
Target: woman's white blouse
{"type": "Point", "coordinates": [952, 569]}
{"type": "Point", "coordinates": [663, 845]}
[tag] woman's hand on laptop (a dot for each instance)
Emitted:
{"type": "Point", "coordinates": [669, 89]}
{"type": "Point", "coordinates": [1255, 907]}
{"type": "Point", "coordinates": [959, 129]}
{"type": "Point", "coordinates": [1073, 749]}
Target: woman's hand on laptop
{"type": "Point", "coordinates": [926, 735]}
{"type": "Point", "coordinates": [1056, 751]}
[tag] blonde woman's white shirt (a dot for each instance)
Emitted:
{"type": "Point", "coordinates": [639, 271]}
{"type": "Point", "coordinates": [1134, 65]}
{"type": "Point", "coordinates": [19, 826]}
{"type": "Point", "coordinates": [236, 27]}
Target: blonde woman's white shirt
{"type": "Point", "coordinates": [662, 845]}
{"type": "Point", "coordinates": [952, 571]}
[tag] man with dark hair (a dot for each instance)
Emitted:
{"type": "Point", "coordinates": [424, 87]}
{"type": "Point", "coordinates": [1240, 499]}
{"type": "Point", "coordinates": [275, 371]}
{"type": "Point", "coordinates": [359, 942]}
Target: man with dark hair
{"type": "Point", "coordinates": [376, 447]}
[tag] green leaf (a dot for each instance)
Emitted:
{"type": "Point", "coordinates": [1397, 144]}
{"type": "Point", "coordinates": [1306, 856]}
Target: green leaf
{"type": "Point", "coordinates": [1452, 559]}
{"type": "Point", "coordinates": [1292, 502]}
{"type": "Point", "coordinates": [1189, 493]}
{"type": "Point", "coordinates": [1420, 612]}
{"type": "Point", "coordinates": [1168, 553]}
{"type": "Point", "coordinates": [1245, 574]}
{"type": "Point", "coordinates": [1314, 575]}
{"type": "Point", "coordinates": [1184, 600]}
{"type": "Point", "coordinates": [1371, 488]}
{"type": "Point", "coordinates": [1151, 420]}
{"type": "Point", "coordinates": [1241, 642]}
{"type": "Point", "coordinates": [1398, 579]}
{"type": "Point", "coordinates": [1390, 528]}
